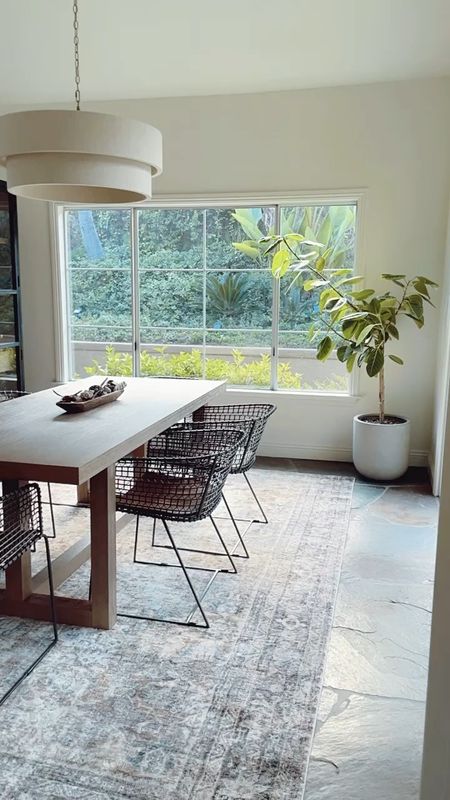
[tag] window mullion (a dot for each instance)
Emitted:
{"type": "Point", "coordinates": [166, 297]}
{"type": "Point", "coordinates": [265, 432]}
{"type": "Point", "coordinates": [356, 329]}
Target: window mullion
{"type": "Point", "coordinates": [69, 349]}
{"type": "Point", "coordinates": [204, 296]}
{"type": "Point", "coordinates": [275, 316]}
{"type": "Point", "coordinates": [135, 304]}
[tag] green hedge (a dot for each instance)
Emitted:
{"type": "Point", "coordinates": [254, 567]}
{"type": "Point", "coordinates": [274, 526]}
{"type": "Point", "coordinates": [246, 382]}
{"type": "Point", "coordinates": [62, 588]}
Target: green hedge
{"type": "Point", "coordinates": [238, 371]}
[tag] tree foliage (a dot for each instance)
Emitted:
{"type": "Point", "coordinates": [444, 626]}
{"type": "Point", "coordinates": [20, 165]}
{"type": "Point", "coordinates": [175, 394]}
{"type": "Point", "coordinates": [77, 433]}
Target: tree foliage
{"type": "Point", "coordinates": [172, 247]}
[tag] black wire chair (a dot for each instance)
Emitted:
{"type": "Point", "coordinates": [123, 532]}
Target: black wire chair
{"type": "Point", "coordinates": [20, 529]}
{"type": "Point", "coordinates": [12, 395]}
{"type": "Point", "coordinates": [251, 418]}
{"type": "Point", "coordinates": [168, 443]}
{"type": "Point", "coordinates": [182, 481]}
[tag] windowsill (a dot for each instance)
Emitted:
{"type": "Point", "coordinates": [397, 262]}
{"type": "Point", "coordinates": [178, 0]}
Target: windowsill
{"type": "Point", "coordinates": [330, 397]}
{"type": "Point", "coordinates": [339, 397]}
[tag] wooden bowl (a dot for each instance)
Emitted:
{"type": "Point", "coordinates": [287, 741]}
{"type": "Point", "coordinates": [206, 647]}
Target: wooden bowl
{"type": "Point", "coordinates": [79, 406]}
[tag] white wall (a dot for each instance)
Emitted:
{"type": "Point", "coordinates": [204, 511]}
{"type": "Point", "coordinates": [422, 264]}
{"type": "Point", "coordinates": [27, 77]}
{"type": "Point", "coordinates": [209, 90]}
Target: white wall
{"type": "Point", "coordinates": [390, 139]}
{"type": "Point", "coordinates": [36, 293]}
{"type": "Point", "coordinates": [436, 754]}
{"type": "Point", "coordinates": [442, 379]}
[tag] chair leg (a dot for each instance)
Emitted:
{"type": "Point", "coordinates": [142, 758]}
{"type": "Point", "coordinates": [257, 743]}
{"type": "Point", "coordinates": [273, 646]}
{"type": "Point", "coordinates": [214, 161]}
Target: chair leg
{"type": "Point", "coordinates": [212, 578]}
{"type": "Point", "coordinates": [264, 520]}
{"type": "Point", "coordinates": [51, 589]}
{"type": "Point", "coordinates": [55, 630]}
{"type": "Point", "coordinates": [136, 535]}
{"type": "Point", "coordinates": [224, 553]}
{"type": "Point", "coordinates": [227, 553]}
{"type": "Point", "coordinates": [52, 514]}
{"type": "Point", "coordinates": [198, 604]}
{"type": "Point", "coordinates": [236, 528]}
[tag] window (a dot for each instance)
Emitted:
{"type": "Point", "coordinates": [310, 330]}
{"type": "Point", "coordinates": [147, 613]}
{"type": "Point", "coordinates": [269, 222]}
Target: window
{"type": "Point", "coordinates": [177, 291]}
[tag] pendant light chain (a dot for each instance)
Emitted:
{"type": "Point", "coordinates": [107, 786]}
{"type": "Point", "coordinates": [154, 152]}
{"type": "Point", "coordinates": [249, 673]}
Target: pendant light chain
{"type": "Point", "coordinates": [76, 42]}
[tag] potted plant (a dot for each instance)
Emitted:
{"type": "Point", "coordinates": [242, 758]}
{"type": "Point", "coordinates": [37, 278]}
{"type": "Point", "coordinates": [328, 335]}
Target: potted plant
{"type": "Point", "coordinates": [360, 324]}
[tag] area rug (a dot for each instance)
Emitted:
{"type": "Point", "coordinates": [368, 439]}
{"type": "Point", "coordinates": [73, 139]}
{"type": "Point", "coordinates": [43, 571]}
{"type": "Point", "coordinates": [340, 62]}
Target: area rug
{"type": "Point", "coordinates": [149, 711]}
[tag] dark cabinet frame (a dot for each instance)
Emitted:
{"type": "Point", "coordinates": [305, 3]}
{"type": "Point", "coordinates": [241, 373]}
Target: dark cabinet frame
{"type": "Point", "coordinates": [14, 292]}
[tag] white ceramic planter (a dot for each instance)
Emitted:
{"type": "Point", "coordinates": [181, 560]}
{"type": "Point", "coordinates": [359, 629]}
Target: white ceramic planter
{"type": "Point", "coordinates": [380, 451]}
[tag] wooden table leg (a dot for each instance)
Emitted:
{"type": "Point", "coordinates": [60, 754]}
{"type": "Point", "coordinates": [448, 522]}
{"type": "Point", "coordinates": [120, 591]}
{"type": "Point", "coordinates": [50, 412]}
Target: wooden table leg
{"type": "Point", "coordinates": [139, 452]}
{"type": "Point", "coordinates": [18, 576]}
{"type": "Point", "coordinates": [83, 494]}
{"type": "Point", "coordinates": [103, 549]}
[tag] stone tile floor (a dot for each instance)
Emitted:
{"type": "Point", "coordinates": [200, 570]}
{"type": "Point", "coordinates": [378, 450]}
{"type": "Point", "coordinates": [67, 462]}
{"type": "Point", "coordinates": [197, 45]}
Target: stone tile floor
{"type": "Point", "coordinates": [368, 740]}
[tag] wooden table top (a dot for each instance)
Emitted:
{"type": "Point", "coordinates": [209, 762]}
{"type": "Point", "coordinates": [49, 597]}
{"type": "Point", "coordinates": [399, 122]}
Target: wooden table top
{"type": "Point", "coordinates": [39, 441]}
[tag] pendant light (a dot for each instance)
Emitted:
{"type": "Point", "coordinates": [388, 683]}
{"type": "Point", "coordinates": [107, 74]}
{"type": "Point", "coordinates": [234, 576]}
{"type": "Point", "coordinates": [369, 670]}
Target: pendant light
{"type": "Point", "coordinates": [79, 156]}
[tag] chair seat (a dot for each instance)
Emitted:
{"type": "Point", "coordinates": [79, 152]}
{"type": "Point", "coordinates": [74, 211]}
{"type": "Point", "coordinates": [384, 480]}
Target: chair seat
{"type": "Point", "coordinates": [20, 523]}
{"type": "Point", "coordinates": [161, 494]}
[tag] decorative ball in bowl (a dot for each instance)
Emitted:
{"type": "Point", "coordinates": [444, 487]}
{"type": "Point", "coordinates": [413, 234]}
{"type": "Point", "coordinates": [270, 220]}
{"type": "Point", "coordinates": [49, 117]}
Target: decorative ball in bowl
{"type": "Point", "coordinates": [97, 395]}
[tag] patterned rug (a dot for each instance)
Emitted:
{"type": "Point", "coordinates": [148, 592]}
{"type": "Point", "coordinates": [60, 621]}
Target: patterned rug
{"type": "Point", "coordinates": [149, 711]}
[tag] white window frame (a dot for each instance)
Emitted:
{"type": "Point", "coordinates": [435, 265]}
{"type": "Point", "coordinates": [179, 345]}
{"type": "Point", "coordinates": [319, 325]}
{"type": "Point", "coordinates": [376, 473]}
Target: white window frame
{"type": "Point", "coordinates": [63, 351]}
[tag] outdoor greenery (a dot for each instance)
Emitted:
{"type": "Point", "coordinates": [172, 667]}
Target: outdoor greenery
{"type": "Point", "coordinates": [169, 240]}
{"type": "Point", "coordinates": [175, 248]}
{"type": "Point", "coordinates": [5, 251]}
{"type": "Point", "coordinates": [175, 239]}
{"type": "Point", "coordinates": [7, 360]}
{"type": "Point", "coordinates": [190, 365]}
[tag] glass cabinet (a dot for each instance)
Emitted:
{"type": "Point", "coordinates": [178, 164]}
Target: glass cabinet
{"type": "Point", "coordinates": [10, 328]}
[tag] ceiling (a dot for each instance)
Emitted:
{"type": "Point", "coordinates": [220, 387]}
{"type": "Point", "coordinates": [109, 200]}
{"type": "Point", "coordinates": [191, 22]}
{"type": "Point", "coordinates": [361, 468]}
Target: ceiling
{"type": "Point", "coordinates": [161, 48]}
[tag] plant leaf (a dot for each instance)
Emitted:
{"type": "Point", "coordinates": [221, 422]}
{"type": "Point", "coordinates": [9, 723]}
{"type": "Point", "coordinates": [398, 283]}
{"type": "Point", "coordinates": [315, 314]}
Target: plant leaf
{"type": "Point", "coordinates": [324, 348]}
{"type": "Point", "coordinates": [320, 263]}
{"type": "Point", "coordinates": [341, 352]}
{"type": "Point", "coordinates": [280, 263]}
{"type": "Point", "coordinates": [272, 246]}
{"type": "Point", "coordinates": [247, 222]}
{"type": "Point", "coordinates": [397, 359]}
{"type": "Point", "coordinates": [427, 281]}
{"type": "Point", "coordinates": [393, 331]}
{"type": "Point", "coordinates": [326, 295]}
{"type": "Point", "coordinates": [297, 237]}
{"type": "Point", "coordinates": [313, 283]}
{"type": "Point", "coordinates": [350, 362]}
{"type": "Point", "coordinates": [375, 362]}
{"type": "Point", "coordinates": [348, 328]}
{"type": "Point", "coordinates": [350, 281]}
{"type": "Point", "coordinates": [362, 294]}
{"type": "Point", "coordinates": [325, 230]}
{"type": "Point", "coordinates": [337, 273]}
{"type": "Point", "coordinates": [247, 248]}
{"type": "Point", "coordinates": [312, 243]}
{"type": "Point", "coordinates": [388, 302]}
{"type": "Point", "coordinates": [364, 333]}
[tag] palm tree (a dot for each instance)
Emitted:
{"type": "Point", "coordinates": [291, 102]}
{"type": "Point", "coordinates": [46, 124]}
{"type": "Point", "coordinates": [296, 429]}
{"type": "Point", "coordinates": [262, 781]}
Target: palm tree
{"type": "Point", "coordinates": [227, 295]}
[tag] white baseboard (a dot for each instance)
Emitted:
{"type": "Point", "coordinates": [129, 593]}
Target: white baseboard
{"type": "Point", "coordinates": [418, 458]}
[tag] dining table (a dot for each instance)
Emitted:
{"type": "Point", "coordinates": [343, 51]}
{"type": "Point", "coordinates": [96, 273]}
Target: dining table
{"type": "Point", "coordinates": [41, 442]}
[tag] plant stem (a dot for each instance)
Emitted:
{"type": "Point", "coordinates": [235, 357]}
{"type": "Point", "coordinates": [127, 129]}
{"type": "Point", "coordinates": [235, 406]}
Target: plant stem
{"type": "Point", "coordinates": [381, 395]}
{"type": "Point", "coordinates": [319, 275]}
{"type": "Point", "coordinates": [400, 302]}
{"type": "Point", "coordinates": [331, 328]}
